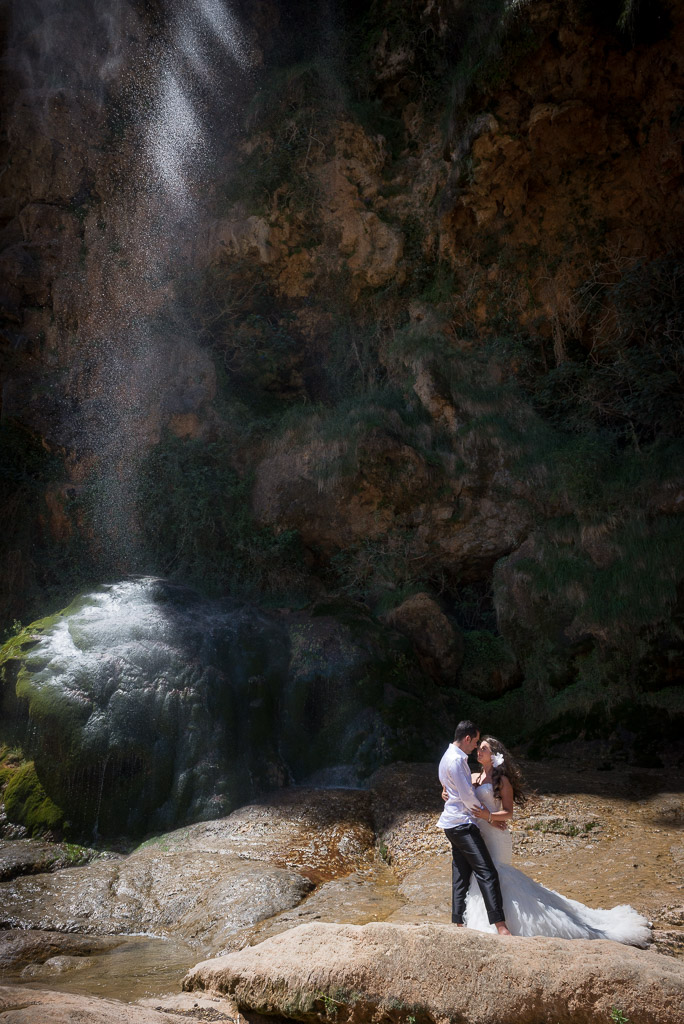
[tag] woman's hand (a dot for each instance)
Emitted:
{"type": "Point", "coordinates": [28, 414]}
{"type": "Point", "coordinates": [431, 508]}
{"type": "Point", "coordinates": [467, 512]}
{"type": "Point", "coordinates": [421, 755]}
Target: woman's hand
{"type": "Point", "coordinates": [445, 795]}
{"type": "Point", "coordinates": [490, 817]}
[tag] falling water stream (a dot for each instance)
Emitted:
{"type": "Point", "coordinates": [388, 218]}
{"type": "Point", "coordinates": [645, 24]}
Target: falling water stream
{"type": "Point", "coordinates": [177, 91]}
{"type": "Point", "coordinates": [144, 105]}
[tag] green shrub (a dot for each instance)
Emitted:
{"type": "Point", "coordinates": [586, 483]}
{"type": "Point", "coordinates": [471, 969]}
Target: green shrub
{"type": "Point", "coordinates": [379, 571]}
{"type": "Point", "coordinates": [289, 116]}
{"type": "Point", "coordinates": [637, 592]}
{"type": "Point", "coordinates": [626, 379]}
{"type": "Point", "coordinates": [11, 759]}
{"type": "Point", "coordinates": [621, 601]}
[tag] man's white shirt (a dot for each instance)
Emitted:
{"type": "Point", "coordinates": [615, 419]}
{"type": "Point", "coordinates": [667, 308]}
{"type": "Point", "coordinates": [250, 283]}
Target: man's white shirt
{"type": "Point", "coordinates": [454, 774]}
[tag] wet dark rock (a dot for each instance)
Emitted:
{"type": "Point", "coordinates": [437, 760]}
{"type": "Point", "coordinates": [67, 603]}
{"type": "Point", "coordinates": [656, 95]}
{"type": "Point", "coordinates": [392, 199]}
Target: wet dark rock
{"type": "Point", "coordinates": [20, 947]}
{"type": "Point", "coordinates": [437, 639]}
{"type": "Point", "coordinates": [208, 884]}
{"type": "Point", "coordinates": [31, 857]}
{"type": "Point", "coordinates": [129, 690]}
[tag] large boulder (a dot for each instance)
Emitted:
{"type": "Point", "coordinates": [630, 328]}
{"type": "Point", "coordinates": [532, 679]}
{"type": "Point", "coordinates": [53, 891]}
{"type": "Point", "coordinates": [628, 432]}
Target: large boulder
{"type": "Point", "coordinates": [437, 640]}
{"type": "Point", "coordinates": [341, 491]}
{"type": "Point", "coordinates": [145, 704]}
{"type": "Point", "coordinates": [198, 897]}
{"type": "Point", "coordinates": [436, 972]}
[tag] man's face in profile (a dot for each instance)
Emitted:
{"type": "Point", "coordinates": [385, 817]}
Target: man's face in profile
{"type": "Point", "coordinates": [469, 743]}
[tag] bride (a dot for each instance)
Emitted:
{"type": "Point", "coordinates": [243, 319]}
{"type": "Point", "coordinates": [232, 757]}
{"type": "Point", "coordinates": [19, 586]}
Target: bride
{"type": "Point", "coordinates": [531, 909]}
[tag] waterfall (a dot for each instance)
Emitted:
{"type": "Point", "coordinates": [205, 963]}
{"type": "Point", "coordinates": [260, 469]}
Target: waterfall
{"type": "Point", "coordinates": [133, 101]}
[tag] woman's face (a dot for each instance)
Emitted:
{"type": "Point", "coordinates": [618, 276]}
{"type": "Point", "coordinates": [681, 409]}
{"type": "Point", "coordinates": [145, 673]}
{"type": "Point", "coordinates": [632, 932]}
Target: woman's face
{"type": "Point", "coordinates": [484, 754]}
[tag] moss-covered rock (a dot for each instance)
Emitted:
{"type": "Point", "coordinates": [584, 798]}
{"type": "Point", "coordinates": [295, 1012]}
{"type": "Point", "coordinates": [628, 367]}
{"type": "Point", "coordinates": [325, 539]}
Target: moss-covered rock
{"type": "Point", "coordinates": [149, 706]}
{"type": "Point", "coordinates": [27, 803]}
{"type": "Point", "coordinates": [135, 696]}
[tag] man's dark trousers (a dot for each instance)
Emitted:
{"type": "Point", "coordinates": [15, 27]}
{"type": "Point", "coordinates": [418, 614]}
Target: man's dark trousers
{"type": "Point", "coordinates": [470, 856]}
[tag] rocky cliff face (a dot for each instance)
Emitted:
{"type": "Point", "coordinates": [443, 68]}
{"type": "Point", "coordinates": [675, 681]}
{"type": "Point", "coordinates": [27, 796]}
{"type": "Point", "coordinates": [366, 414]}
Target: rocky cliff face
{"type": "Point", "coordinates": [437, 291]}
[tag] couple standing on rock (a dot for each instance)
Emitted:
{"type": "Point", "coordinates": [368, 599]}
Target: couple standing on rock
{"type": "Point", "coordinates": [487, 892]}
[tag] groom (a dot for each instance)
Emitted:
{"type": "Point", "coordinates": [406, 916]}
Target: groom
{"type": "Point", "coordinates": [468, 850]}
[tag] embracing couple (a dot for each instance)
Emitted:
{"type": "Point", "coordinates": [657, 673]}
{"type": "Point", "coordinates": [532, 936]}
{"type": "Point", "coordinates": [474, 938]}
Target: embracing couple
{"type": "Point", "coordinates": [488, 893]}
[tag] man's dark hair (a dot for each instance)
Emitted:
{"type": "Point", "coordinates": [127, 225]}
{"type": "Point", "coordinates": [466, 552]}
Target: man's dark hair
{"type": "Point", "coordinates": [465, 728]}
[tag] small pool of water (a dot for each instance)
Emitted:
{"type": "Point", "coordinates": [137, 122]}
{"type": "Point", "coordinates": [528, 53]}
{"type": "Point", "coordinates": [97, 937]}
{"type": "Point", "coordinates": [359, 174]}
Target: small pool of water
{"type": "Point", "coordinates": [139, 968]}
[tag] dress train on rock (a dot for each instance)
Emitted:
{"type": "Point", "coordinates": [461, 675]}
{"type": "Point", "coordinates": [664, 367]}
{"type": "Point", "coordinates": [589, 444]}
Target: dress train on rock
{"type": "Point", "coordinates": [532, 909]}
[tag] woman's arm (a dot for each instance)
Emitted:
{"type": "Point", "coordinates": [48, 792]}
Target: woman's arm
{"type": "Point", "coordinates": [506, 812]}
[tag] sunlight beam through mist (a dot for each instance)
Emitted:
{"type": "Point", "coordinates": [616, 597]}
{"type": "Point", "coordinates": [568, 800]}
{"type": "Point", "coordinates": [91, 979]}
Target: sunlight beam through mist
{"type": "Point", "coordinates": [226, 27]}
{"type": "Point", "coordinates": [174, 136]}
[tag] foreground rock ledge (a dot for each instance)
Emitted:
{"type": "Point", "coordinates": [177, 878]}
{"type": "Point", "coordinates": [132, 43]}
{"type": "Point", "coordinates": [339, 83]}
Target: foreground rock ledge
{"type": "Point", "coordinates": [352, 973]}
{"type": "Point", "coordinates": [20, 1004]}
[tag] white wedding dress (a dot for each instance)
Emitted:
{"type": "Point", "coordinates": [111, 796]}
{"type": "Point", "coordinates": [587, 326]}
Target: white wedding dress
{"type": "Point", "coordinates": [531, 909]}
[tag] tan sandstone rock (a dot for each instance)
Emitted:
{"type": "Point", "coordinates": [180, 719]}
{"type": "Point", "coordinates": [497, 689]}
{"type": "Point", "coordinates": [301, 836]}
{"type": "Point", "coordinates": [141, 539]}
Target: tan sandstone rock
{"type": "Point", "coordinates": [20, 1004]}
{"type": "Point", "coordinates": [440, 973]}
{"type": "Point", "coordinates": [370, 248]}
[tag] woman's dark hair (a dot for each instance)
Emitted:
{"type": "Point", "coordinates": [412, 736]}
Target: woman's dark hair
{"type": "Point", "coordinates": [510, 768]}
{"type": "Point", "coordinates": [465, 728]}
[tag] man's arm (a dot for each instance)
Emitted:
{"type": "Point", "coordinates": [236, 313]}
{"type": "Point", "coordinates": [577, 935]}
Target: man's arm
{"type": "Point", "coordinates": [462, 785]}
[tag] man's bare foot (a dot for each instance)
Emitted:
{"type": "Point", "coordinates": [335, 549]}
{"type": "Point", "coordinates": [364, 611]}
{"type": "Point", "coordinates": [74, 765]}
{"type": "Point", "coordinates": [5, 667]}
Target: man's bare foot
{"type": "Point", "coordinates": [459, 924]}
{"type": "Point", "coordinates": [501, 928]}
